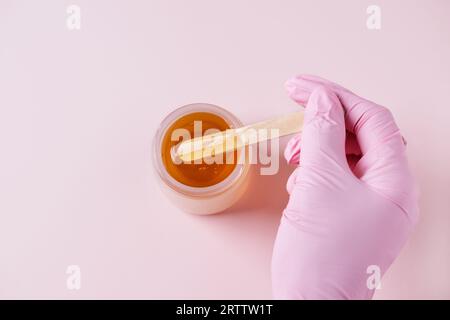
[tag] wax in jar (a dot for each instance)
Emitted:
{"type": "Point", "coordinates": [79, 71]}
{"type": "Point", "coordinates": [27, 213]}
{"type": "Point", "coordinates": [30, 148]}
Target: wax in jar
{"type": "Point", "coordinates": [192, 174]}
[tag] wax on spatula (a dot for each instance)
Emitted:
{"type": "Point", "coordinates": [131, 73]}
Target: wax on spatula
{"type": "Point", "coordinates": [234, 139]}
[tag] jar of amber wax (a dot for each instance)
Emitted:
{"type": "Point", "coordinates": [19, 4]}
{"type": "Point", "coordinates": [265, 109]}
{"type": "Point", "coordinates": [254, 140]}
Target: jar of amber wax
{"type": "Point", "coordinates": [199, 187]}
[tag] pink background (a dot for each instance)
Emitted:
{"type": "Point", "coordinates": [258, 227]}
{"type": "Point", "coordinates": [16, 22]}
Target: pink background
{"type": "Point", "coordinates": [78, 110]}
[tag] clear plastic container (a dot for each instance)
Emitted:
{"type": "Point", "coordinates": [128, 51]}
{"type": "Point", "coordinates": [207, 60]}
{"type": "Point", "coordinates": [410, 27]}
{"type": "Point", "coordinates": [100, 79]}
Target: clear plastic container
{"type": "Point", "coordinates": [200, 200]}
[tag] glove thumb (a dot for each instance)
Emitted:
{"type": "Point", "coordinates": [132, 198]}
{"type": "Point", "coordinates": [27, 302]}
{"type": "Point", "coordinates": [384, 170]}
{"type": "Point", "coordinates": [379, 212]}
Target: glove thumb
{"type": "Point", "coordinates": [323, 136]}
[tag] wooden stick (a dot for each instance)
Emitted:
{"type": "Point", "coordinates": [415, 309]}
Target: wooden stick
{"type": "Point", "coordinates": [233, 139]}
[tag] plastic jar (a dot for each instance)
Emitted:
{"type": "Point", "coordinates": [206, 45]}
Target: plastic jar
{"type": "Point", "coordinates": [199, 200]}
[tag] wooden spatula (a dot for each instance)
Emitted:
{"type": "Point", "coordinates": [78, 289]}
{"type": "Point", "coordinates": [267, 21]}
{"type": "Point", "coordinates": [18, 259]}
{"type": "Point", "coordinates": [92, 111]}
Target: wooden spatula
{"type": "Point", "coordinates": [233, 139]}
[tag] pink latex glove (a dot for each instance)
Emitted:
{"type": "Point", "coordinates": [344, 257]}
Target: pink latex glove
{"type": "Point", "coordinates": [353, 201]}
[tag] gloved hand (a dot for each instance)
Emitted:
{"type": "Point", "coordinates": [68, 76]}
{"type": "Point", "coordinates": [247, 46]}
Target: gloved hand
{"type": "Point", "coordinates": [353, 201]}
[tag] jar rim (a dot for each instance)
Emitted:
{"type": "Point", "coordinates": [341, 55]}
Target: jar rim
{"type": "Point", "coordinates": [234, 177]}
